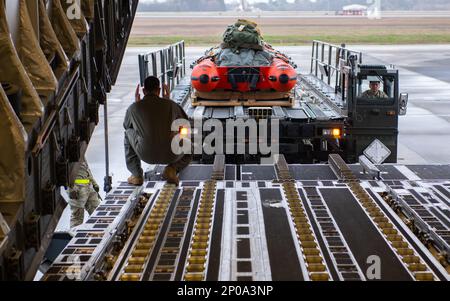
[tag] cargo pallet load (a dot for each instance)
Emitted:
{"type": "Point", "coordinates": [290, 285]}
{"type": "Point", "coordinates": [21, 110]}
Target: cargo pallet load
{"type": "Point", "coordinates": [244, 70]}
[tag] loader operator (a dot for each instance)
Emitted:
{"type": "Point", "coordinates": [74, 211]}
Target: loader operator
{"type": "Point", "coordinates": [84, 195]}
{"type": "Point", "coordinates": [374, 92]}
{"type": "Point", "coordinates": [148, 134]}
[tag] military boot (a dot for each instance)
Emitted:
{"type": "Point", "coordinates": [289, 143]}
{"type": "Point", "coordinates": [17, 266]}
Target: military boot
{"type": "Point", "coordinates": [136, 181]}
{"type": "Point", "coordinates": [170, 175]}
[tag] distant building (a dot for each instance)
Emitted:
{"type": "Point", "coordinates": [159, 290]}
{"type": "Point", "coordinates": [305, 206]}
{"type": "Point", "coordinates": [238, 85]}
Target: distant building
{"type": "Point", "coordinates": [354, 10]}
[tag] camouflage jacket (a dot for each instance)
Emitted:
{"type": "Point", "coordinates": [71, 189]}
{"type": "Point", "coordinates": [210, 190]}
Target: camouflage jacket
{"type": "Point", "coordinates": [84, 173]}
{"type": "Point", "coordinates": [379, 94]}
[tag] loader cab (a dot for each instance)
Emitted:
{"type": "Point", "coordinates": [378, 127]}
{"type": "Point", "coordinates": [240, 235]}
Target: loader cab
{"type": "Point", "coordinates": [376, 96]}
{"type": "Point", "coordinates": [377, 86]}
{"type": "Point", "coordinates": [374, 108]}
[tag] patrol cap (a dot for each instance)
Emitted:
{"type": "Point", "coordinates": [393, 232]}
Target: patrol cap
{"type": "Point", "coordinates": [373, 79]}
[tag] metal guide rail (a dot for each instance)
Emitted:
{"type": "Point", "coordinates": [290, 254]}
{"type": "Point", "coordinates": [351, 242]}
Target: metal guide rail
{"type": "Point", "coordinates": [91, 251]}
{"type": "Point", "coordinates": [425, 209]}
{"type": "Point", "coordinates": [168, 64]}
{"type": "Point", "coordinates": [328, 59]}
{"type": "Point", "coordinates": [271, 222]}
{"type": "Point", "coordinates": [133, 266]}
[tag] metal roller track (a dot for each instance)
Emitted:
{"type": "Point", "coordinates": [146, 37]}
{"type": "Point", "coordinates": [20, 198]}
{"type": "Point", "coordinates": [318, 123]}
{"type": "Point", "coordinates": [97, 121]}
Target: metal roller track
{"type": "Point", "coordinates": [312, 255]}
{"type": "Point", "coordinates": [426, 219]}
{"type": "Point", "coordinates": [88, 256]}
{"type": "Point", "coordinates": [333, 239]}
{"type": "Point", "coordinates": [165, 265]}
{"type": "Point", "coordinates": [264, 226]}
{"type": "Point", "coordinates": [135, 264]}
{"type": "Point", "coordinates": [403, 249]}
{"type": "Point", "coordinates": [200, 244]}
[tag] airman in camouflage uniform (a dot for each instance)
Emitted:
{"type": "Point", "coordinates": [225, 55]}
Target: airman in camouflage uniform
{"type": "Point", "coordinates": [148, 134]}
{"type": "Point", "coordinates": [374, 92]}
{"type": "Point", "coordinates": [83, 195]}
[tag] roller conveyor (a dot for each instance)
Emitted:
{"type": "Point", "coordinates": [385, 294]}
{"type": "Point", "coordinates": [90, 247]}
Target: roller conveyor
{"type": "Point", "coordinates": [275, 222]}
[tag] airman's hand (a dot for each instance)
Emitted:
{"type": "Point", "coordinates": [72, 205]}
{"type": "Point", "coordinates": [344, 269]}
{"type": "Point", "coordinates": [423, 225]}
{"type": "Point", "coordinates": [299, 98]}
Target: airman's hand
{"type": "Point", "coordinates": [138, 94]}
{"type": "Point", "coordinates": [166, 92]}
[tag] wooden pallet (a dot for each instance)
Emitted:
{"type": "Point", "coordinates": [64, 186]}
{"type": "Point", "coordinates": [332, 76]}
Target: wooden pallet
{"type": "Point", "coordinates": [246, 99]}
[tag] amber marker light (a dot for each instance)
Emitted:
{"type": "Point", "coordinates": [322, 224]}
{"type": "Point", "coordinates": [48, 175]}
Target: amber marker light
{"type": "Point", "coordinates": [184, 132]}
{"type": "Point", "coordinates": [391, 113]}
{"type": "Point", "coordinates": [337, 133]}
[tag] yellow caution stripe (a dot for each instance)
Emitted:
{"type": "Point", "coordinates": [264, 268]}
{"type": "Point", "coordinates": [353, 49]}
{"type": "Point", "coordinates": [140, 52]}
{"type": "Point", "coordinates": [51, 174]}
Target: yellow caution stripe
{"type": "Point", "coordinates": [82, 182]}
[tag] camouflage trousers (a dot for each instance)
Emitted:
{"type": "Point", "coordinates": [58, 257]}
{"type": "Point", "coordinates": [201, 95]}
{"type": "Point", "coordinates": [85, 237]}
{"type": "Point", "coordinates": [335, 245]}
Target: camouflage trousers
{"type": "Point", "coordinates": [88, 200]}
{"type": "Point", "coordinates": [181, 163]}
{"type": "Point", "coordinates": [134, 162]}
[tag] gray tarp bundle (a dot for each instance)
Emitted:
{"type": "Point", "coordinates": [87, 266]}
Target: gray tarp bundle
{"type": "Point", "coordinates": [244, 57]}
{"type": "Point", "coordinates": [243, 45]}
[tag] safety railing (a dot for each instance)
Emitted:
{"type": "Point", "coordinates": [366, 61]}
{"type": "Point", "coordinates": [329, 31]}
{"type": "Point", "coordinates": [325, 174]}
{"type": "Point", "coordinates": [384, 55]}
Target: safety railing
{"type": "Point", "coordinates": [167, 64]}
{"type": "Point", "coordinates": [328, 59]}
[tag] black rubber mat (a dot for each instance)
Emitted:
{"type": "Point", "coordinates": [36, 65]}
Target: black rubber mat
{"type": "Point", "coordinates": [230, 173]}
{"type": "Point", "coordinates": [196, 173]}
{"type": "Point", "coordinates": [216, 241]}
{"type": "Point", "coordinates": [374, 184]}
{"type": "Point", "coordinates": [388, 172]}
{"type": "Point", "coordinates": [309, 183]}
{"type": "Point", "coordinates": [320, 239]}
{"type": "Point", "coordinates": [445, 200]}
{"type": "Point", "coordinates": [358, 171]}
{"type": "Point", "coordinates": [431, 172]}
{"type": "Point", "coordinates": [312, 172]}
{"type": "Point", "coordinates": [243, 249]}
{"type": "Point", "coordinates": [445, 192]}
{"type": "Point", "coordinates": [258, 173]}
{"type": "Point", "coordinates": [362, 236]}
{"type": "Point", "coordinates": [328, 183]}
{"type": "Point", "coordinates": [159, 242]}
{"type": "Point", "coordinates": [440, 217]}
{"type": "Point", "coordinates": [187, 239]}
{"type": "Point", "coordinates": [150, 185]}
{"type": "Point", "coordinates": [418, 196]}
{"type": "Point", "coordinates": [284, 262]}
